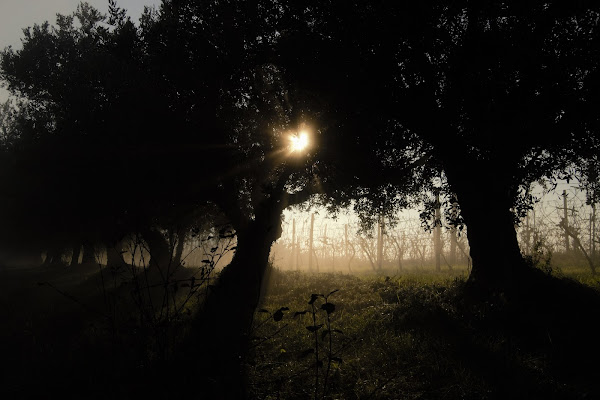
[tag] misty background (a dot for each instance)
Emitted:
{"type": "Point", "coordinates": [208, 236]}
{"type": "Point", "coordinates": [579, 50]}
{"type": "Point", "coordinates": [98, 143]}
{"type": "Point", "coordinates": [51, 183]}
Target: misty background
{"type": "Point", "coordinates": [285, 199]}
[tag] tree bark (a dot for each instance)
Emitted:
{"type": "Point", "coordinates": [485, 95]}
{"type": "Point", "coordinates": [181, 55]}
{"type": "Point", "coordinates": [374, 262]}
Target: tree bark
{"type": "Point", "coordinates": [160, 252]}
{"type": "Point", "coordinates": [179, 247]}
{"type": "Point", "coordinates": [114, 256]}
{"type": "Point", "coordinates": [494, 249]}
{"type": "Point", "coordinates": [228, 312]}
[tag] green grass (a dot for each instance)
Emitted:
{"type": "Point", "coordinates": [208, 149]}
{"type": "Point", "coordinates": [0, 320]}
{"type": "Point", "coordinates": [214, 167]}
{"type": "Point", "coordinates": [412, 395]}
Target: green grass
{"type": "Point", "coordinates": [414, 335]}
{"type": "Point", "coordinates": [411, 336]}
{"type": "Point", "coordinates": [380, 358]}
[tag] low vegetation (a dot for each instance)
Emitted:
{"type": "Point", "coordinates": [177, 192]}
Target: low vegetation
{"type": "Point", "coordinates": [420, 337]}
{"type": "Point", "coordinates": [324, 336]}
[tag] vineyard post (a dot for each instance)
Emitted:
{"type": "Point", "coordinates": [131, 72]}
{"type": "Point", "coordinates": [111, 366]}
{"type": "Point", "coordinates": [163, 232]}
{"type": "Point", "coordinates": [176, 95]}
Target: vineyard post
{"type": "Point", "coordinates": [453, 258]}
{"type": "Point", "coordinates": [294, 258]}
{"type": "Point", "coordinates": [310, 242]}
{"type": "Point", "coordinates": [591, 248]}
{"type": "Point", "coordinates": [380, 243]}
{"type": "Point", "coordinates": [437, 231]}
{"type": "Point", "coordinates": [527, 236]}
{"type": "Point", "coordinates": [593, 230]}
{"type": "Point", "coordinates": [346, 240]}
{"type": "Point", "coordinates": [453, 235]}
{"type": "Point", "coordinates": [567, 247]}
{"type": "Point", "coordinates": [325, 243]}
{"type": "Point", "coordinates": [535, 235]}
{"type": "Point", "coordinates": [298, 254]}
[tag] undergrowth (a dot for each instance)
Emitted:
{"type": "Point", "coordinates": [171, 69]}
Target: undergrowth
{"type": "Point", "coordinates": [405, 337]}
{"type": "Point", "coordinates": [324, 336]}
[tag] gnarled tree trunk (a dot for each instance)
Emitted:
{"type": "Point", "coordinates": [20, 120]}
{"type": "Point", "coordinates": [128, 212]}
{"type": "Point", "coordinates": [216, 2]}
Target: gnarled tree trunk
{"type": "Point", "coordinates": [160, 252]}
{"type": "Point", "coordinates": [229, 309]}
{"type": "Point", "coordinates": [485, 202]}
{"type": "Point", "coordinates": [114, 254]}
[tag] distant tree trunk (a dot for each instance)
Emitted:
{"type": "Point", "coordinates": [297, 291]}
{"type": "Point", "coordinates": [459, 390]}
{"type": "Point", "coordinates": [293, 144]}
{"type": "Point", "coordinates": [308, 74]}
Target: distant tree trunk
{"type": "Point", "coordinates": [437, 233]}
{"type": "Point", "coordinates": [365, 249]}
{"type": "Point", "coordinates": [114, 256]}
{"type": "Point", "coordinates": [53, 256]}
{"type": "Point", "coordinates": [310, 242]}
{"type": "Point", "coordinates": [179, 247]}
{"type": "Point", "coordinates": [160, 251]}
{"type": "Point", "coordinates": [453, 258]}
{"type": "Point", "coordinates": [89, 254]}
{"type": "Point", "coordinates": [76, 253]}
{"type": "Point", "coordinates": [572, 233]}
{"type": "Point", "coordinates": [48, 259]}
{"type": "Point", "coordinates": [380, 228]}
{"type": "Point", "coordinates": [351, 257]}
{"type": "Point", "coordinates": [400, 252]}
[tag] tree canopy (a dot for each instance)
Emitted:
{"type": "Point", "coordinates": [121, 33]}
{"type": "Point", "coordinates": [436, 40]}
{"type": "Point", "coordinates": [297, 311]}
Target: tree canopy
{"type": "Point", "coordinates": [121, 128]}
{"type": "Point", "coordinates": [497, 95]}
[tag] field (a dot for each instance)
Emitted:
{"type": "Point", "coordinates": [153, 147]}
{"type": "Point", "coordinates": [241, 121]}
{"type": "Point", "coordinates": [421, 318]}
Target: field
{"type": "Point", "coordinates": [332, 336]}
{"type": "Point", "coordinates": [413, 336]}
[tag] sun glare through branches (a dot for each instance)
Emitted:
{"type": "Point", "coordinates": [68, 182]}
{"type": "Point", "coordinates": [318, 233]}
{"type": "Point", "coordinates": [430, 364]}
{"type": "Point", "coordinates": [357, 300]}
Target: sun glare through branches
{"type": "Point", "coordinates": [299, 142]}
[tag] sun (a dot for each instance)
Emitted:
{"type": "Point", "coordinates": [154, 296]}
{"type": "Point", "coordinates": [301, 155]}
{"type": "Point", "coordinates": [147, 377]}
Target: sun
{"type": "Point", "coordinates": [299, 142]}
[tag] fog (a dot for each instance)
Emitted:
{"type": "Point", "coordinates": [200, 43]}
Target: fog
{"type": "Point", "coordinates": [340, 244]}
{"type": "Point", "coordinates": [299, 200]}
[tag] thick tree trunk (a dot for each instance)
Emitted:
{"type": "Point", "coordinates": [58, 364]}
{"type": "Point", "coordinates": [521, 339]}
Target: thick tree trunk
{"type": "Point", "coordinates": [241, 286]}
{"type": "Point", "coordinates": [226, 319]}
{"type": "Point", "coordinates": [494, 249]}
{"type": "Point", "coordinates": [114, 256]}
{"type": "Point", "coordinates": [160, 252]}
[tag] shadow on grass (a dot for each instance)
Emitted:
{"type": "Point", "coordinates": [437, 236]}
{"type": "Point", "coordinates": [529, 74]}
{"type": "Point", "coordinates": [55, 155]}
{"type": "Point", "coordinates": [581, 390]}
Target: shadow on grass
{"type": "Point", "coordinates": [401, 337]}
{"type": "Point", "coordinates": [411, 339]}
{"type": "Point", "coordinates": [539, 344]}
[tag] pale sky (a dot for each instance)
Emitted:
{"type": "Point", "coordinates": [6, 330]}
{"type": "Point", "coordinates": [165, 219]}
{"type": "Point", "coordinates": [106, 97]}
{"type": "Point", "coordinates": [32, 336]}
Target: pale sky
{"type": "Point", "coordinates": [18, 14]}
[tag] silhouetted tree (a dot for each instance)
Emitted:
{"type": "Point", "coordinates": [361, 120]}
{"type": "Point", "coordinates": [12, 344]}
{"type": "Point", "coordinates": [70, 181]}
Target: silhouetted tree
{"type": "Point", "coordinates": [149, 123]}
{"type": "Point", "coordinates": [88, 170]}
{"type": "Point", "coordinates": [499, 94]}
{"type": "Point", "coordinates": [134, 128]}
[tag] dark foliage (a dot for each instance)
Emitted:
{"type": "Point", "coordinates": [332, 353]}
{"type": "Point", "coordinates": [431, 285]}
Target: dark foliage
{"type": "Point", "coordinates": [148, 130]}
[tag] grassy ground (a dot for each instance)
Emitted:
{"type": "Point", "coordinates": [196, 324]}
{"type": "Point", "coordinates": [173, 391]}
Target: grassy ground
{"type": "Point", "coordinates": [78, 333]}
{"type": "Point", "coordinates": [418, 336]}
{"type": "Point", "coordinates": [406, 336]}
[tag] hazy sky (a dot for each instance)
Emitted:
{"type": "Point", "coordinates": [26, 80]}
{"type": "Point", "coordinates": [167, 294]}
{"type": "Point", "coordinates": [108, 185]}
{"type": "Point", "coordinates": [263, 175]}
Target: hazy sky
{"type": "Point", "coordinates": [18, 14]}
